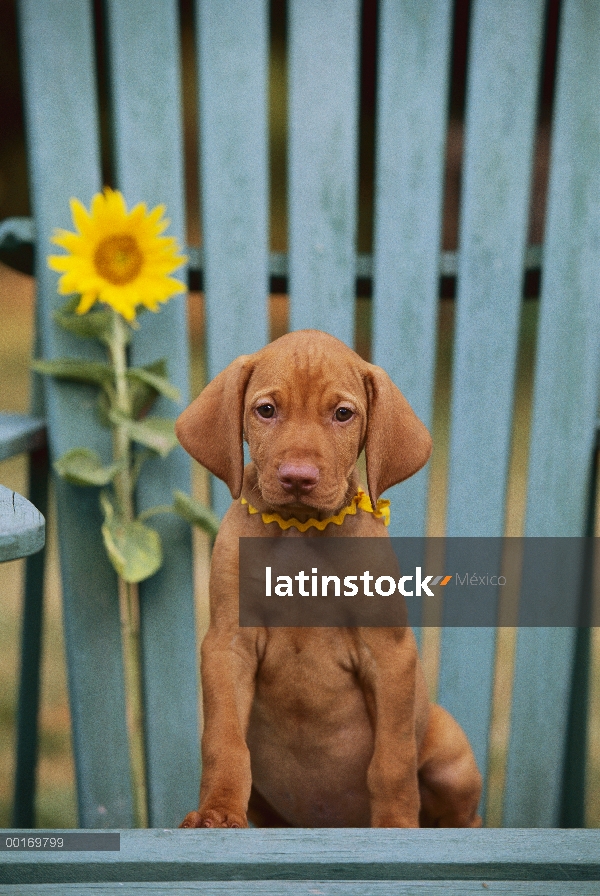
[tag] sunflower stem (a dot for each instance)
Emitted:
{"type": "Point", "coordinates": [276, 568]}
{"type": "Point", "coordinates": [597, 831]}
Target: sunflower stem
{"type": "Point", "coordinates": [121, 441]}
{"type": "Point", "coordinates": [128, 593]}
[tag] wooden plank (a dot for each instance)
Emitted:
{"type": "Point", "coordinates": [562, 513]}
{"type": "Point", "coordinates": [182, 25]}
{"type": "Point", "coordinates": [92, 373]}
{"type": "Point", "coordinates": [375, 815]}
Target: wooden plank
{"type": "Point", "coordinates": [62, 137]}
{"type": "Point", "coordinates": [323, 59]}
{"type": "Point", "coordinates": [23, 810]}
{"type": "Point", "coordinates": [504, 57]}
{"type": "Point", "coordinates": [316, 887]}
{"type": "Point", "coordinates": [232, 41]}
{"type": "Point", "coordinates": [565, 406]}
{"type": "Point", "coordinates": [20, 433]}
{"type": "Point", "coordinates": [148, 147]}
{"type": "Point", "coordinates": [17, 232]}
{"type": "Point", "coordinates": [543, 662]}
{"type": "Point", "coordinates": [575, 749]}
{"type": "Point", "coordinates": [32, 440]}
{"type": "Point", "coordinates": [22, 526]}
{"type": "Point", "coordinates": [467, 656]}
{"type": "Point", "coordinates": [324, 854]}
{"type": "Point", "coordinates": [412, 87]}
{"type": "Point", "coordinates": [574, 774]}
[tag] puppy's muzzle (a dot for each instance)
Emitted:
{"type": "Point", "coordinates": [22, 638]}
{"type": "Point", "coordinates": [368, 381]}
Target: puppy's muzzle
{"type": "Point", "coordinates": [298, 479]}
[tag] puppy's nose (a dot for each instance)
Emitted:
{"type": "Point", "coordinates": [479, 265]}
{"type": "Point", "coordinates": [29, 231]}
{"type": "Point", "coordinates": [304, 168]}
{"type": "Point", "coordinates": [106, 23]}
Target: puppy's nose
{"type": "Point", "coordinates": [299, 478]}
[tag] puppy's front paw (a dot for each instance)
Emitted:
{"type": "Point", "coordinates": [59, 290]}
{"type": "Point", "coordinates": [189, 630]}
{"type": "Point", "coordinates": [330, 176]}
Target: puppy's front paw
{"type": "Point", "coordinates": [214, 818]}
{"type": "Point", "coordinates": [392, 820]}
{"type": "Point", "coordinates": [393, 817]}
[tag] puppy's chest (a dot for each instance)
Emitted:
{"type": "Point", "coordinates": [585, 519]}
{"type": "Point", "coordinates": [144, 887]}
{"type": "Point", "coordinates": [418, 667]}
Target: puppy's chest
{"type": "Point", "coordinates": [306, 671]}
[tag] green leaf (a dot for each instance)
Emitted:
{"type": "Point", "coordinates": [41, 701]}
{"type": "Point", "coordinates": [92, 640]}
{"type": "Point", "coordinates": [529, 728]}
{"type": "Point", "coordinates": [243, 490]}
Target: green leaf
{"type": "Point", "coordinates": [97, 324]}
{"type": "Point", "coordinates": [134, 549]}
{"type": "Point", "coordinates": [156, 381]}
{"type": "Point", "coordinates": [196, 513]}
{"type": "Point", "coordinates": [154, 511]}
{"type": "Point", "coordinates": [77, 371]}
{"type": "Point", "coordinates": [69, 306]}
{"type": "Point", "coordinates": [81, 466]}
{"type": "Point", "coordinates": [141, 393]}
{"type": "Point", "coordinates": [156, 433]}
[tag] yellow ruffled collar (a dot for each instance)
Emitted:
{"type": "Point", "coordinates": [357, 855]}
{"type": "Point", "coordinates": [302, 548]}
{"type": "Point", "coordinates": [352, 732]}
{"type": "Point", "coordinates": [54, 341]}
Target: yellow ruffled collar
{"type": "Point", "coordinates": [360, 501]}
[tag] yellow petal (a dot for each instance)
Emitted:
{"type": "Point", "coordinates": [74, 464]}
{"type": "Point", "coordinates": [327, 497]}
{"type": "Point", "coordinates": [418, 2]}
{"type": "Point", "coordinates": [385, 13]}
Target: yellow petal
{"type": "Point", "coordinates": [59, 262]}
{"type": "Point", "coordinates": [138, 213]}
{"type": "Point", "coordinates": [81, 218]}
{"type": "Point", "coordinates": [98, 203]}
{"type": "Point", "coordinates": [87, 300]}
{"type": "Point", "coordinates": [115, 203]}
{"type": "Point", "coordinates": [69, 241]}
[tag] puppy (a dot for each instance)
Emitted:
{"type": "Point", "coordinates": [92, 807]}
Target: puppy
{"type": "Point", "coordinates": [315, 727]}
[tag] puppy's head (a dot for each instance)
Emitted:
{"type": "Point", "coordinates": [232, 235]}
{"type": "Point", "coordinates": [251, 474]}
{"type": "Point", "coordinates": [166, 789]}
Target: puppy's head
{"type": "Point", "coordinates": [307, 405]}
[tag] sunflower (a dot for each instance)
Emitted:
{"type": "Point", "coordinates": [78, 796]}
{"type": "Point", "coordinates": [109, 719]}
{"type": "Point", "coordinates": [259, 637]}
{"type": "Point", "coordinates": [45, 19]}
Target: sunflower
{"type": "Point", "coordinates": [117, 257]}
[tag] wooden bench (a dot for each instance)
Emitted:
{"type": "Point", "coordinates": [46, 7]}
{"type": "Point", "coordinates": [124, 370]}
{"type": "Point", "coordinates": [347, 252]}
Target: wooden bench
{"type": "Point", "coordinates": [22, 526]}
{"type": "Point", "coordinates": [545, 771]}
{"type": "Point", "coordinates": [319, 863]}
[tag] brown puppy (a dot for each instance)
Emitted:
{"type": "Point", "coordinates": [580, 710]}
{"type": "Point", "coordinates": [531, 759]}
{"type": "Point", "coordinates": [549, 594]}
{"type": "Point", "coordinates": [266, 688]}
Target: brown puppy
{"type": "Point", "coordinates": [315, 727]}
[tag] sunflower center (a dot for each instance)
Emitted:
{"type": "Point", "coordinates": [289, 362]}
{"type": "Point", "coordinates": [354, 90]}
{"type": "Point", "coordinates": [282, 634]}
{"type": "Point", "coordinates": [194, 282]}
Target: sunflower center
{"type": "Point", "coordinates": [118, 258]}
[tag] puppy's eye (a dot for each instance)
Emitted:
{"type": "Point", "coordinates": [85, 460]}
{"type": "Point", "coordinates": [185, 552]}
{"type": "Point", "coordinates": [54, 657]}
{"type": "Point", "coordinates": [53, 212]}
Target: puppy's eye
{"type": "Point", "coordinates": [343, 414]}
{"type": "Point", "coordinates": [265, 410]}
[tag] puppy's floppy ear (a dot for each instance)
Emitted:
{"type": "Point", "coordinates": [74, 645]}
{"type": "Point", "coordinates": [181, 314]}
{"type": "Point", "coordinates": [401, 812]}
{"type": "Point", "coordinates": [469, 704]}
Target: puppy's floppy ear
{"type": "Point", "coordinates": [211, 428]}
{"type": "Point", "coordinates": [397, 444]}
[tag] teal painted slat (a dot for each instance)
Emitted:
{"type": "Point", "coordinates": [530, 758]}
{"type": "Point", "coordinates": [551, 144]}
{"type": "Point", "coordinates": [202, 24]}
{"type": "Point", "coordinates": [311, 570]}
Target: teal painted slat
{"type": "Point", "coordinates": [565, 406]}
{"type": "Point", "coordinates": [325, 855]}
{"type": "Point", "coordinates": [20, 433]}
{"type": "Point", "coordinates": [323, 118]}
{"type": "Point", "coordinates": [22, 526]}
{"type": "Point", "coordinates": [232, 41]}
{"type": "Point", "coordinates": [412, 78]}
{"type": "Point", "coordinates": [574, 774]}
{"type": "Point", "coordinates": [148, 146]}
{"type": "Point", "coordinates": [18, 232]}
{"type": "Point", "coordinates": [62, 138]}
{"type": "Point", "coordinates": [301, 888]}
{"type": "Point", "coordinates": [23, 811]}
{"type": "Point", "coordinates": [539, 712]}
{"type": "Point", "coordinates": [567, 372]}
{"type": "Point", "coordinates": [232, 44]}
{"type": "Point", "coordinates": [467, 656]}
{"type": "Point", "coordinates": [32, 440]}
{"type": "Point", "coordinates": [504, 57]}
{"type": "Point", "coordinates": [15, 232]}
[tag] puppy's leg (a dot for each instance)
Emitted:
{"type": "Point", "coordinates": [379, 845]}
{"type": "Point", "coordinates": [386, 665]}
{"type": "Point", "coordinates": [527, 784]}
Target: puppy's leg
{"type": "Point", "coordinates": [228, 683]}
{"type": "Point", "coordinates": [449, 780]}
{"type": "Point", "coordinates": [387, 671]}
